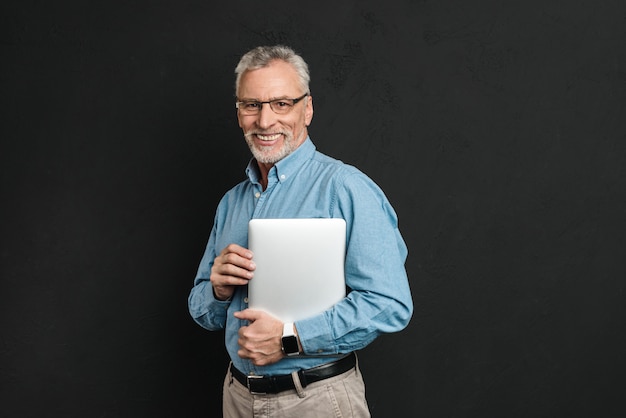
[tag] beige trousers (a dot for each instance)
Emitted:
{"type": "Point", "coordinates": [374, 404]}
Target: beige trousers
{"type": "Point", "coordinates": [338, 396]}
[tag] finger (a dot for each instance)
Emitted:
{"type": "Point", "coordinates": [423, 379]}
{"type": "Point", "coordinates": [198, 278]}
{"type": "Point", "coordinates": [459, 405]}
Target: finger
{"type": "Point", "coordinates": [229, 275]}
{"type": "Point", "coordinates": [248, 314]}
{"type": "Point", "coordinates": [234, 270]}
{"type": "Point", "coordinates": [237, 249]}
{"type": "Point", "coordinates": [243, 353]}
{"type": "Point", "coordinates": [234, 265]}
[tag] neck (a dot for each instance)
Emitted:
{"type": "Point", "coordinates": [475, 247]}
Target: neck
{"type": "Point", "coordinates": [264, 169]}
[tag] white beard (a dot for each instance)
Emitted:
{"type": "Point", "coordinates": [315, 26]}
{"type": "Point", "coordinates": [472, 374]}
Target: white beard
{"type": "Point", "coordinates": [271, 155]}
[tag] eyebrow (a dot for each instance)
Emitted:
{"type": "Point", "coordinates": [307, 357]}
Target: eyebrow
{"type": "Point", "coordinates": [245, 99]}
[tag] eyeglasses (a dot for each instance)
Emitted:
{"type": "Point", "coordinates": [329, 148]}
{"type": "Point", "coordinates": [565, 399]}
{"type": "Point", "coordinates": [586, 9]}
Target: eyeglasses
{"type": "Point", "coordinates": [278, 106]}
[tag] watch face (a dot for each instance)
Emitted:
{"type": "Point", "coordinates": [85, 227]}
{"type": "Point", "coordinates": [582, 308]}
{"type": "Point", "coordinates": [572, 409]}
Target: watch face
{"type": "Point", "coordinates": [290, 345]}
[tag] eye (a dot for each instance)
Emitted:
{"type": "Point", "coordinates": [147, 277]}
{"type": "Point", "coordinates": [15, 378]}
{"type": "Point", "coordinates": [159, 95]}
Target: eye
{"type": "Point", "coordinates": [251, 105]}
{"type": "Point", "coordinates": [282, 104]}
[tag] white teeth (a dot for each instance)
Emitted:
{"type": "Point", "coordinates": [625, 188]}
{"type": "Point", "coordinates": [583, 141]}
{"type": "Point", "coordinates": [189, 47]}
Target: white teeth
{"type": "Point", "coordinates": [268, 137]}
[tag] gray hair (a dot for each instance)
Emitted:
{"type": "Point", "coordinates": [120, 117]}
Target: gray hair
{"type": "Point", "coordinates": [261, 57]}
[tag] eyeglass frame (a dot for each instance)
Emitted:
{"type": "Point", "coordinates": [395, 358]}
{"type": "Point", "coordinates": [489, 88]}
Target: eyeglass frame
{"type": "Point", "coordinates": [269, 102]}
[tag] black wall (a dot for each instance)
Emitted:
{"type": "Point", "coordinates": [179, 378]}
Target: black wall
{"type": "Point", "coordinates": [497, 131]}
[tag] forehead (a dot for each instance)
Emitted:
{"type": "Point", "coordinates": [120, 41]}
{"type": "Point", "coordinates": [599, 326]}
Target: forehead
{"type": "Point", "coordinates": [278, 79]}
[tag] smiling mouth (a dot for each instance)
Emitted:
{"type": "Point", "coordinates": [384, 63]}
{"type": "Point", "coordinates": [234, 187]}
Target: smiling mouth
{"type": "Point", "coordinates": [268, 138]}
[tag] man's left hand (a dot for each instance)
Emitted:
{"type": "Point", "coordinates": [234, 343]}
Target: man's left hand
{"type": "Point", "coordinates": [260, 341]}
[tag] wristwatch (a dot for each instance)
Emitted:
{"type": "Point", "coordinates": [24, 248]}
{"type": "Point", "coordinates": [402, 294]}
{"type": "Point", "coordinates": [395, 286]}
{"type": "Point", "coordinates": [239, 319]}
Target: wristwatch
{"type": "Point", "coordinates": [289, 340]}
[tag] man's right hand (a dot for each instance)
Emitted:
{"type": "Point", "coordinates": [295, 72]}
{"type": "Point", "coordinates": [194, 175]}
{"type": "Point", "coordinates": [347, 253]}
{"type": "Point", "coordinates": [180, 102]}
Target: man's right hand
{"type": "Point", "coordinates": [233, 267]}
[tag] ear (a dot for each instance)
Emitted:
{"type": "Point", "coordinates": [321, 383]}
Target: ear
{"type": "Point", "coordinates": [308, 112]}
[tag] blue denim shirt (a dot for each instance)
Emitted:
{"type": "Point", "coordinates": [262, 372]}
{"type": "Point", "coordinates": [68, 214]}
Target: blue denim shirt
{"type": "Point", "coordinates": [309, 184]}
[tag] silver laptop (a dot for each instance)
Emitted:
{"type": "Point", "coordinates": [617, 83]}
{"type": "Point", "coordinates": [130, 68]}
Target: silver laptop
{"type": "Point", "coordinates": [299, 266]}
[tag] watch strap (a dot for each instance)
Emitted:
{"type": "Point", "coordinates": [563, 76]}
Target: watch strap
{"type": "Point", "coordinates": [288, 329]}
{"type": "Point", "coordinates": [289, 340]}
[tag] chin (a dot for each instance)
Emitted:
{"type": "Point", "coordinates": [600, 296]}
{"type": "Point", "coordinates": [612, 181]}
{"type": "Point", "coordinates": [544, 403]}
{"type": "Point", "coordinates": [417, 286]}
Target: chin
{"type": "Point", "coordinates": [270, 156]}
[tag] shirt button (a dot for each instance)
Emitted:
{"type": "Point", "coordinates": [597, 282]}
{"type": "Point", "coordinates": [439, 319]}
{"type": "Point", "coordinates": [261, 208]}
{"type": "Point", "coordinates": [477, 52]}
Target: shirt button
{"type": "Point", "coordinates": [282, 177]}
{"type": "Point", "coordinates": [257, 195]}
{"type": "Point", "coordinates": [245, 300]}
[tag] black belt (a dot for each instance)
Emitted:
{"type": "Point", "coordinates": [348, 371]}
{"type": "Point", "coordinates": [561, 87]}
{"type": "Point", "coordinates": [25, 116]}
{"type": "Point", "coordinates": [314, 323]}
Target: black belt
{"type": "Point", "coordinates": [276, 384]}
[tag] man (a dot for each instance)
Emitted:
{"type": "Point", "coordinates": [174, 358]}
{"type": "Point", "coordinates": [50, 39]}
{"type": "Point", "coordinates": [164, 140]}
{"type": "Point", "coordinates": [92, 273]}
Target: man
{"type": "Point", "coordinates": [288, 178]}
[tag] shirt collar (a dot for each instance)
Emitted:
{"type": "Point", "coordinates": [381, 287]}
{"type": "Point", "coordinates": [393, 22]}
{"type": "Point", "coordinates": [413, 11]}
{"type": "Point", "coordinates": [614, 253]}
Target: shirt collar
{"type": "Point", "coordinates": [286, 167]}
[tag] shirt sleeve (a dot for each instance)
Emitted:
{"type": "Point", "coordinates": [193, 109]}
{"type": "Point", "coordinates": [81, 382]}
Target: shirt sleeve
{"type": "Point", "coordinates": [205, 309]}
{"type": "Point", "coordinates": [379, 299]}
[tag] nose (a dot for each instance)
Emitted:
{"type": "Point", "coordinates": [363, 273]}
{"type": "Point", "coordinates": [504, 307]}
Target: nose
{"type": "Point", "coordinates": [266, 117]}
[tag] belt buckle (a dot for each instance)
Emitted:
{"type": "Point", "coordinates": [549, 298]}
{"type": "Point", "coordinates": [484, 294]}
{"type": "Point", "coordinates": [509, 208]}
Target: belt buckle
{"type": "Point", "coordinates": [249, 380]}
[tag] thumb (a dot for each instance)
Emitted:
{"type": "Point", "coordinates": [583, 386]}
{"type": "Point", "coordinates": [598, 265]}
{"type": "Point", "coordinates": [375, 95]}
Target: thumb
{"type": "Point", "coordinates": [248, 315]}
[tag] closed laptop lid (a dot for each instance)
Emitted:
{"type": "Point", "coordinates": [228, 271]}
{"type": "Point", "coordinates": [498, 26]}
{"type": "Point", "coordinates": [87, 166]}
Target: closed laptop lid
{"type": "Point", "coordinates": [299, 266]}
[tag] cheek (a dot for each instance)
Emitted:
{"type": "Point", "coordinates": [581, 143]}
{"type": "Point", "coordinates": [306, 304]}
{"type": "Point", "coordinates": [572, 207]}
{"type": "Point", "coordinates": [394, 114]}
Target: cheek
{"type": "Point", "coordinates": [246, 124]}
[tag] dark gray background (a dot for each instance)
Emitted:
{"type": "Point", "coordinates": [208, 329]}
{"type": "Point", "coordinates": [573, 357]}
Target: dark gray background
{"type": "Point", "coordinates": [497, 130]}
